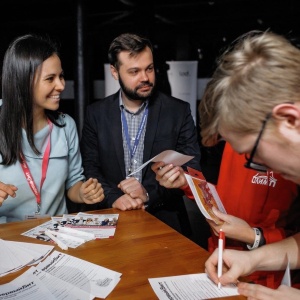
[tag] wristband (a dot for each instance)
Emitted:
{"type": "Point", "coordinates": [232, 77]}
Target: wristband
{"type": "Point", "coordinates": [257, 239]}
{"type": "Point", "coordinates": [147, 197]}
{"type": "Point", "coordinates": [262, 238]}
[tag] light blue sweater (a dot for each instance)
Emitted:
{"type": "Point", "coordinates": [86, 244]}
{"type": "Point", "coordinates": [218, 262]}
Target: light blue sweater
{"type": "Point", "coordinates": [64, 170]}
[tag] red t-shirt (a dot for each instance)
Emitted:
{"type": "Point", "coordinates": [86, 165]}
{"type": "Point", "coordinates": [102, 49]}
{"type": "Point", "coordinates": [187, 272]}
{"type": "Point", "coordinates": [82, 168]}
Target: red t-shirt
{"type": "Point", "coordinates": [262, 200]}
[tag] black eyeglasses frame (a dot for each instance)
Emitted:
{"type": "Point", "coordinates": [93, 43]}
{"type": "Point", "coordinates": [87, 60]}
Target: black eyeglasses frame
{"type": "Point", "coordinates": [250, 164]}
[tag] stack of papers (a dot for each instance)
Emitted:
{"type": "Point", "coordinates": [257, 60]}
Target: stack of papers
{"type": "Point", "coordinates": [61, 276]}
{"type": "Point", "coordinates": [16, 255]}
{"type": "Point", "coordinates": [74, 230]}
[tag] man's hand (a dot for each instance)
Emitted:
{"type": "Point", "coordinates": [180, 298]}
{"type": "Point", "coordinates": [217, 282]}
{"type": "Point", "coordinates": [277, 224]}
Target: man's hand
{"type": "Point", "coordinates": [134, 196]}
{"type": "Point", "coordinates": [169, 176]}
{"type": "Point", "coordinates": [125, 202]}
{"type": "Point", "coordinates": [133, 188]}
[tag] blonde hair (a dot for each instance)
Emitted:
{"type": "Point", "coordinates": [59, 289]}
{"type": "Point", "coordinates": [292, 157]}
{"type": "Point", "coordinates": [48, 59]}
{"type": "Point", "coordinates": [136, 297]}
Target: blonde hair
{"type": "Point", "coordinates": [261, 70]}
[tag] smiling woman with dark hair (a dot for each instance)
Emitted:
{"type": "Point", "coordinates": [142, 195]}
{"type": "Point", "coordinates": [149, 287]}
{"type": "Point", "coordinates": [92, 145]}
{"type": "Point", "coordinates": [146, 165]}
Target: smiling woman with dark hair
{"type": "Point", "coordinates": [39, 152]}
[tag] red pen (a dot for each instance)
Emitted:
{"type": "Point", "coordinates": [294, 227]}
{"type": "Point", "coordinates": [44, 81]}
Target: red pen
{"type": "Point", "coordinates": [221, 246]}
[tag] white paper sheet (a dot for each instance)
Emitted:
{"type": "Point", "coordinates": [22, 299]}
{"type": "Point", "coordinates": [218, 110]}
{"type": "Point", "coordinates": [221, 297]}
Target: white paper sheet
{"type": "Point", "coordinates": [25, 288]}
{"type": "Point", "coordinates": [16, 255]}
{"type": "Point", "coordinates": [168, 157]}
{"type": "Point", "coordinates": [87, 276]}
{"type": "Point", "coordinates": [59, 288]}
{"type": "Point", "coordinates": [189, 287]}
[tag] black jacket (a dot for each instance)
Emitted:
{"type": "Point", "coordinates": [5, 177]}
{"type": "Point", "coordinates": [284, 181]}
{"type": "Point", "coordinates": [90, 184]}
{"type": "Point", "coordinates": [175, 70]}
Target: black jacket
{"type": "Point", "coordinates": [170, 126]}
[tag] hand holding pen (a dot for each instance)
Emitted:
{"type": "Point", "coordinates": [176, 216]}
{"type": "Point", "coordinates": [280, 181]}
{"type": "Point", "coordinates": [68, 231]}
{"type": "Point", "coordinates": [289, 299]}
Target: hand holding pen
{"type": "Point", "coordinates": [221, 246]}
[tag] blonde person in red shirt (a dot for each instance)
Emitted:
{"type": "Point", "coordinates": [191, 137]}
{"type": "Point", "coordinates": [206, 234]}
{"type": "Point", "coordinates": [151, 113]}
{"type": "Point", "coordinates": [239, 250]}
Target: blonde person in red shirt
{"type": "Point", "coordinates": [253, 202]}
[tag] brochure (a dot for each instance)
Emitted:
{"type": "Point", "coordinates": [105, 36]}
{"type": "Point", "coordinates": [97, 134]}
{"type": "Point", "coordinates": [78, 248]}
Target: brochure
{"type": "Point", "coordinates": [205, 194]}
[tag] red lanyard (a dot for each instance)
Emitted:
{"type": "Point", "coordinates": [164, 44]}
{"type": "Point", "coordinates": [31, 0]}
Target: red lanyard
{"type": "Point", "coordinates": [45, 163]}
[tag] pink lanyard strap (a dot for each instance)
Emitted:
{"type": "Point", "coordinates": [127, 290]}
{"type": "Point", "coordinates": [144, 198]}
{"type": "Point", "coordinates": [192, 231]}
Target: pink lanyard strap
{"type": "Point", "coordinates": [45, 163]}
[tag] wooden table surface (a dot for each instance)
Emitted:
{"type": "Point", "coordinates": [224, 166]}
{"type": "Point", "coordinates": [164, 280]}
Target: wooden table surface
{"type": "Point", "coordinates": [143, 247]}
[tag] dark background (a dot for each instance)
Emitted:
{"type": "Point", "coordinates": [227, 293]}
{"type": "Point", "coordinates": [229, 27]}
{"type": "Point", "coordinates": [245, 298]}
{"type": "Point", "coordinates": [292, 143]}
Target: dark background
{"type": "Point", "coordinates": [179, 29]}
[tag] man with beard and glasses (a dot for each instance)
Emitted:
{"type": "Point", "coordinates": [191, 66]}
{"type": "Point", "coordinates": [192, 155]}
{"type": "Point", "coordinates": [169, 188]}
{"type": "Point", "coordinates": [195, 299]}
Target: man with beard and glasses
{"type": "Point", "coordinates": [126, 129]}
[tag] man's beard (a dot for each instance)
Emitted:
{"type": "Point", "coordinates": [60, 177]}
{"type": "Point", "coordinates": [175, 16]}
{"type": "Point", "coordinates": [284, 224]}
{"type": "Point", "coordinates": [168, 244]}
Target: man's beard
{"type": "Point", "coordinates": [134, 94]}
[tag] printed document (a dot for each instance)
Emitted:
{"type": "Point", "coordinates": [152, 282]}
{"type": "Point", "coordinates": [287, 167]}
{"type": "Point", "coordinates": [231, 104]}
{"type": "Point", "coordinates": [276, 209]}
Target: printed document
{"type": "Point", "coordinates": [190, 287]}
{"type": "Point", "coordinates": [89, 277]}
{"type": "Point", "coordinates": [25, 288]}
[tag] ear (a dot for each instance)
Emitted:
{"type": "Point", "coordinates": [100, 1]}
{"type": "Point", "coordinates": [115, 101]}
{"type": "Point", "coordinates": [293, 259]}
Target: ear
{"type": "Point", "coordinates": [114, 72]}
{"type": "Point", "coordinates": [288, 113]}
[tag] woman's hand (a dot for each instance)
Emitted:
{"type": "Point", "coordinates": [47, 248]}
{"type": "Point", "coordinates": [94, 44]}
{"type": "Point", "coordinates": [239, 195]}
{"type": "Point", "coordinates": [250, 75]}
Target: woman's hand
{"type": "Point", "coordinates": [7, 190]}
{"type": "Point", "coordinates": [234, 228]}
{"type": "Point", "coordinates": [91, 191]}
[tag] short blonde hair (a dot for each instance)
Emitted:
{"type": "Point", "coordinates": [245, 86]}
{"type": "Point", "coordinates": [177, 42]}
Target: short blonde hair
{"type": "Point", "coordinates": [261, 70]}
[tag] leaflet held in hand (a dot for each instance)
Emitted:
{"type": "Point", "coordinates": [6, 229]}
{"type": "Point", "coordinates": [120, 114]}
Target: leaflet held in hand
{"type": "Point", "coordinates": [205, 194]}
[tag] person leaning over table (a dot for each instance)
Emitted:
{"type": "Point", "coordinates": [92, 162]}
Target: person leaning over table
{"type": "Point", "coordinates": [253, 203]}
{"type": "Point", "coordinates": [39, 147]}
{"type": "Point", "coordinates": [126, 129]}
{"type": "Point", "coordinates": [253, 102]}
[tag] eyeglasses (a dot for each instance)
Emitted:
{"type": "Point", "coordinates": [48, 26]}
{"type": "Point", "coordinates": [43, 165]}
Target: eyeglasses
{"type": "Point", "coordinates": [250, 164]}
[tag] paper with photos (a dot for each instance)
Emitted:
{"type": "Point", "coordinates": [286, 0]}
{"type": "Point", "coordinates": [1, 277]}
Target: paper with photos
{"type": "Point", "coordinates": [101, 225]}
{"type": "Point", "coordinates": [74, 230]}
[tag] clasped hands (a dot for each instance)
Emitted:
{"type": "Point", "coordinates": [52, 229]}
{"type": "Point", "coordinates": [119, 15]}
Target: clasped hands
{"type": "Point", "coordinates": [134, 196]}
{"type": "Point", "coordinates": [91, 191]}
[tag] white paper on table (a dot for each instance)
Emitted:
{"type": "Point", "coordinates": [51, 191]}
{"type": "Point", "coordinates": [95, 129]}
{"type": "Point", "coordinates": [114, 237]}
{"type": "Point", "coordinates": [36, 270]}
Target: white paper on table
{"type": "Point", "coordinates": [12, 260]}
{"type": "Point", "coordinates": [50, 225]}
{"type": "Point", "coordinates": [62, 290]}
{"type": "Point", "coordinates": [67, 240]}
{"type": "Point", "coordinates": [39, 230]}
{"type": "Point", "coordinates": [193, 286]}
{"type": "Point", "coordinates": [89, 277]}
{"type": "Point", "coordinates": [168, 157]}
{"type": "Point", "coordinates": [25, 287]}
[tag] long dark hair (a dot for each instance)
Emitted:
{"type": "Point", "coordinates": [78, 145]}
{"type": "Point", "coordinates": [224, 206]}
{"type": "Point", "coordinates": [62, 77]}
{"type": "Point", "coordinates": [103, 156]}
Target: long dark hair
{"type": "Point", "coordinates": [22, 58]}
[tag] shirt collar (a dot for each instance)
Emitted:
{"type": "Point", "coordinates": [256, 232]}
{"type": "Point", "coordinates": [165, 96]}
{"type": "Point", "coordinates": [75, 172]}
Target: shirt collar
{"type": "Point", "coordinates": [122, 106]}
